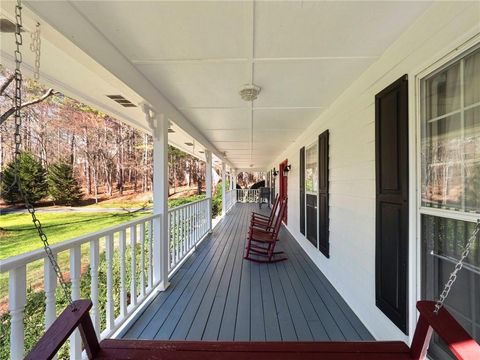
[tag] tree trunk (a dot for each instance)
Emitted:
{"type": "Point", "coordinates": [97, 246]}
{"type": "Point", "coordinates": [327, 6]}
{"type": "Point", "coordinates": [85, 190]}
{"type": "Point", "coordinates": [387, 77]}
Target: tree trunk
{"type": "Point", "coordinates": [145, 163]}
{"type": "Point", "coordinates": [95, 184]}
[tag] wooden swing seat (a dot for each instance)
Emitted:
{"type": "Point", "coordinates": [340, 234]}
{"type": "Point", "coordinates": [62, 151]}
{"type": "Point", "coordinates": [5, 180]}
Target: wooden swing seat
{"type": "Point", "coordinates": [458, 340]}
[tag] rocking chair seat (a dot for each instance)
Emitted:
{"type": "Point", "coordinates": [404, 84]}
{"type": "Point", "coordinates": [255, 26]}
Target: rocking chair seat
{"type": "Point", "coordinates": [261, 236]}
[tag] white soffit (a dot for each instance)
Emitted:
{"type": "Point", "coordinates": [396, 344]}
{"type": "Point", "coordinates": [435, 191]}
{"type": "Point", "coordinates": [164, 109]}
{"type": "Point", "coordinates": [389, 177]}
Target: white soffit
{"type": "Point", "coordinates": [302, 54]}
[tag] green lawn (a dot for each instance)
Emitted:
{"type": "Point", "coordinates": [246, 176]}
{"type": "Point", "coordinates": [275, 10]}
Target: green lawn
{"type": "Point", "coordinates": [126, 204]}
{"type": "Point", "coordinates": [17, 234]}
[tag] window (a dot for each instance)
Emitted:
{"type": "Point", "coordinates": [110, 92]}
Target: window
{"type": "Point", "coordinates": [311, 190]}
{"type": "Point", "coordinates": [450, 188]}
{"type": "Point", "coordinates": [451, 137]}
{"type": "Point", "coordinates": [311, 169]}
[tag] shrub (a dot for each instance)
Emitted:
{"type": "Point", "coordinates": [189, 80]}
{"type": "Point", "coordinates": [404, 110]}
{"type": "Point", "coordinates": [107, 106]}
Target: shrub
{"type": "Point", "coordinates": [63, 187]}
{"type": "Point", "coordinates": [172, 203]}
{"type": "Point", "coordinates": [217, 201]}
{"type": "Point", "coordinates": [33, 178]}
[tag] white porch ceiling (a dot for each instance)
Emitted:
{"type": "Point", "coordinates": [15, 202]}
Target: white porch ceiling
{"type": "Point", "coordinates": [198, 54]}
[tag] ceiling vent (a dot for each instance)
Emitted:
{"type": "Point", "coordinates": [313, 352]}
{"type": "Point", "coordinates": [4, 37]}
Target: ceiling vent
{"type": "Point", "coordinates": [121, 100]}
{"type": "Point", "coordinates": [6, 26]}
{"type": "Point", "coordinates": [189, 144]}
{"type": "Point", "coordinates": [171, 131]}
{"type": "Point", "coordinates": [202, 152]}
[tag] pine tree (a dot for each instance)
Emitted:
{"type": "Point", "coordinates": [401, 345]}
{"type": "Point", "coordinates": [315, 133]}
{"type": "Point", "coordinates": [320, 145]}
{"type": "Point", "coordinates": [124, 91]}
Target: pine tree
{"type": "Point", "coordinates": [63, 187]}
{"type": "Point", "coordinates": [33, 178]}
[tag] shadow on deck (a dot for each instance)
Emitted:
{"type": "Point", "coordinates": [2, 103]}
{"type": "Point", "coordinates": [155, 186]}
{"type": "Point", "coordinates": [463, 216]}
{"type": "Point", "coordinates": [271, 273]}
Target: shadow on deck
{"type": "Point", "coordinates": [217, 295]}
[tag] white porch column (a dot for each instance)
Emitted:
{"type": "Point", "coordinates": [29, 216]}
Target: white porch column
{"type": "Point", "coordinates": [159, 125]}
{"type": "Point", "coordinates": [208, 185]}
{"type": "Point", "coordinates": [224, 192]}
{"type": "Point", "coordinates": [234, 180]}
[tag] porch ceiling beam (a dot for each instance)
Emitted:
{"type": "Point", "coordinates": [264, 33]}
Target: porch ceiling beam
{"type": "Point", "coordinates": [66, 19]}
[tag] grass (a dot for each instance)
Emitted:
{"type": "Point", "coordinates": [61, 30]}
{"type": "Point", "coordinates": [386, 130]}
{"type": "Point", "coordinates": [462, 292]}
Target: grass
{"type": "Point", "coordinates": [122, 204]}
{"type": "Point", "coordinates": [17, 234]}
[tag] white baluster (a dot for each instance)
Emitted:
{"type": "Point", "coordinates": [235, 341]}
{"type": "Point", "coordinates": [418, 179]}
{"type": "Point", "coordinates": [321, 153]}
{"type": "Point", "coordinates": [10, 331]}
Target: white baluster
{"type": "Point", "coordinates": [75, 269]}
{"type": "Point", "coordinates": [94, 262]}
{"type": "Point", "coordinates": [186, 231]}
{"type": "Point", "coordinates": [50, 279]}
{"type": "Point", "coordinates": [150, 255]}
{"type": "Point", "coordinates": [180, 243]}
{"type": "Point", "coordinates": [142, 259]}
{"type": "Point", "coordinates": [190, 228]}
{"type": "Point", "coordinates": [133, 280]}
{"type": "Point", "coordinates": [177, 232]}
{"type": "Point", "coordinates": [172, 238]}
{"type": "Point", "coordinates": [110, 316]}
{"type": "Point", "coordinates": [195, 224]}
{"type": "Point", "coordinates": [205, 215]}
{"type": "Point", "coordinates": [123, 286]}
{"type": "Point", "coordinates": [17, 296]}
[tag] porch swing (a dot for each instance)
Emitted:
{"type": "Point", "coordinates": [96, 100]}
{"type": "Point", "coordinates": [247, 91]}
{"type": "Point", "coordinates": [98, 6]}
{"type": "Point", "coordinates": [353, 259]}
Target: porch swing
{"type": "Point", "coordinates": [433, 316]}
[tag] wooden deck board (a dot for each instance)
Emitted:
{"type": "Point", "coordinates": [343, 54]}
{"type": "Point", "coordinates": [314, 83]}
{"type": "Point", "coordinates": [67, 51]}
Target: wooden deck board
{"type": "Point", "coordinates": [217, 295]}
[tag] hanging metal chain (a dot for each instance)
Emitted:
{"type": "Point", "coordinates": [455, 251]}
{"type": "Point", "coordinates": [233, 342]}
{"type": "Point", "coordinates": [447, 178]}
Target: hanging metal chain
{"type": "Point", "coordinates": [18, 144]}
{"type": "Point", "coordinates": [458, 267]}
{"type": "Point", "coordinates": [35, 47]}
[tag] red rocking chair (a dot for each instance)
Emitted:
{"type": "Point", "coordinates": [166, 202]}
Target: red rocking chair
{"type": "Point", "coordinates": [261, 240]}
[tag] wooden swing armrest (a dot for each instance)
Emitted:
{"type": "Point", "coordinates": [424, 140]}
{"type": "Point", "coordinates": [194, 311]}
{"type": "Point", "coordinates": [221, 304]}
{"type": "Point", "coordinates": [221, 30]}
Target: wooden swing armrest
{"type": "Point", "coordinates": [62, 328]}
{"type": "Point", "coordinates": [462, 345]}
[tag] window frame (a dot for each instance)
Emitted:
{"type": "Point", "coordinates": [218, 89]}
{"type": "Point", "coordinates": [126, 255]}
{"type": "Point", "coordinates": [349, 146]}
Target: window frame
{"type": "Point", "coordinates": [436, 64]}
{"type": "Point", "coordinates": [429, 72]}
{"type": "Point", "coordinates": [423, 123]}
{"type": "Point", "coordinates": [307, 148]}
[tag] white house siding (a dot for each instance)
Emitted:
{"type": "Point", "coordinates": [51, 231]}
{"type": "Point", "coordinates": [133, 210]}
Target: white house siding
{"type": "Point", "coordinates": [350, 119]}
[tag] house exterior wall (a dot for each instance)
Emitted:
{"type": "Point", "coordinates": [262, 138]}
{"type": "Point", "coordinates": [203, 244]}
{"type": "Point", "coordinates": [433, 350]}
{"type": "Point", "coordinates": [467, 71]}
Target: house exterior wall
{"type": "Point", "coordinates": [350, 119]}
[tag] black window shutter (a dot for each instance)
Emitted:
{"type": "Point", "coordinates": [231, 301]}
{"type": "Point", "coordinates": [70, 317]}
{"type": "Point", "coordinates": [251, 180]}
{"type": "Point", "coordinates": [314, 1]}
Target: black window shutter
{"type": "Point", "coordinates": [323, 220]}
{"type": "Point", "coordinates": [391, 161]}
{"type": "Point", "coordinates": [302, 190]}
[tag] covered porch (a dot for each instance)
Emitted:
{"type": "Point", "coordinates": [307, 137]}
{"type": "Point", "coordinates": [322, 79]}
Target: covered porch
{"type": "Point", "coordinates": [218, 295]}
{"type": "Point", "coordinates": [290, 89]}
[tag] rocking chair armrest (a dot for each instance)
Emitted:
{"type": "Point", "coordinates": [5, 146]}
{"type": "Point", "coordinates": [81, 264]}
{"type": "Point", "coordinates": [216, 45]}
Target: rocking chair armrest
{"type": "Point", "coordinates": [260, 221]}
{"type": "Point", "coordinates": [266, 229]}
{"type": "Point", "coordinates": [62, 328]}
{"type": "Point", "coordinates": [255, 214]}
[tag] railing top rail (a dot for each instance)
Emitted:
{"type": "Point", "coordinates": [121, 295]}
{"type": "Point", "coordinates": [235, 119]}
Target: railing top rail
{"type": "Point", "coordinates": [28, 257]}
{"type": "Point", "coordinates": [187, 204]}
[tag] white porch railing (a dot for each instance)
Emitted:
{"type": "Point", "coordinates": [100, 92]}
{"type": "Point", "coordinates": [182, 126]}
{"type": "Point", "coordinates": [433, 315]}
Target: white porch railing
{"type": "Point", "coordinates": [124, 254]}
{"type": "Point", "coordinates": [85, 252]}
{"type": "Point", "coordinates": [248, 195]}
{"type": "Point", "coordinates": [230, 199]}
{"type": "Point", "coordinates": [187, 224]}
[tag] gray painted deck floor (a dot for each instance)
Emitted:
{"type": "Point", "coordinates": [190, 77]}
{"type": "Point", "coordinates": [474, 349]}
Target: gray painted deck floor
{"type": "Point", "coordinates": [217, 295]}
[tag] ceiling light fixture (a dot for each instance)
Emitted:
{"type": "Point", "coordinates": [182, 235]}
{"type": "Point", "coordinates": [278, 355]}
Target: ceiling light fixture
{"type": "Point", "coordinates": [249, 92]}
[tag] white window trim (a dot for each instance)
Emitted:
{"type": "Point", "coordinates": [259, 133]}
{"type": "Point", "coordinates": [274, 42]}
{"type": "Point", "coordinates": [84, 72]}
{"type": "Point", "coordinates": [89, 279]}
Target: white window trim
{"type": "Point", "coordinates": [464, 45]}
